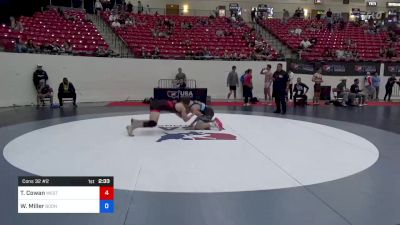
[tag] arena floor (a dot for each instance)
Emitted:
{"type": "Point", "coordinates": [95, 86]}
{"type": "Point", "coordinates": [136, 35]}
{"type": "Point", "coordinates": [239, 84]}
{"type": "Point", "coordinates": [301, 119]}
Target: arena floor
{"type": "Point", "coordinates": [321, 165]}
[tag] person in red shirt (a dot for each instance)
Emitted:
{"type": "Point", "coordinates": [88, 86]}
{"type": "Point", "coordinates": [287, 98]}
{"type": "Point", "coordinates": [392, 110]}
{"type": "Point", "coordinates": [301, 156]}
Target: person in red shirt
{"type": "Point", "coordinates": [248, 87]}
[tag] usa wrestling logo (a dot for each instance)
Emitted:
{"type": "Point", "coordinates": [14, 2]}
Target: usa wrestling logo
{"type": "Point", "coordinates": [196, 136]}
{"type": "Point", "coordinates": [179, 94]}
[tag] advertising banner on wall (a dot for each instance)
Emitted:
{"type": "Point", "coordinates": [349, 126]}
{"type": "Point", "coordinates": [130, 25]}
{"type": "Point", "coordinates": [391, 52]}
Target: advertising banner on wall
{"type": "Point", "coordinates": [301, 67]}
{"type": "Point", "coordinates": [392, 68]}
{"type": "Point", "coordinates": [334, 68]}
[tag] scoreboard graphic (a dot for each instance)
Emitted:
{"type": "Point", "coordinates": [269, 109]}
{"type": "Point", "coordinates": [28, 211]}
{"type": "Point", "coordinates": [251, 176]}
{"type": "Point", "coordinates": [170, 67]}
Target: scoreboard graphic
{"type": "Point", "coordinates": [65, 194]}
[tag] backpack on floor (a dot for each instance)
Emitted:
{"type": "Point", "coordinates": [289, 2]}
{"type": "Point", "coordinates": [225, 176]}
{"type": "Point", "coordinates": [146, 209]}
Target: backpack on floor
{"type": "Point", "coordinates": [254, 100]}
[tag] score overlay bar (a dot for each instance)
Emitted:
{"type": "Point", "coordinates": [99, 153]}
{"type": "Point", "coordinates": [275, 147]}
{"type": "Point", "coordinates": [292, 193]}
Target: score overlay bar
{"type": "Point", "coordinates": [65, 195]}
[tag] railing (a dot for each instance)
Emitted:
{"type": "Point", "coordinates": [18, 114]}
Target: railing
{"type": "Point", "coordinates": [171, 83]}
{"type": "Point", "coordinates": [115, 39]}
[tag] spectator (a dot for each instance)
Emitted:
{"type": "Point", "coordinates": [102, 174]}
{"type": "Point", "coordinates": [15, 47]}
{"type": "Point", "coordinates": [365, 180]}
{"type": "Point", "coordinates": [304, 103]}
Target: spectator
{"type": "Point", "coordinates": [297, 31]}
{"type": "Point", "coordinates": [317, 79]}
{"type": "Point", "coordinates": [31, 47]}
{"type": "Point", "coordinates": [101, 52]}
{"type": "Point", "coordinates": [54, 48]}
{"type": "Point", "coordinates": [60, 12]}
{"type": "Point", "coordinates": [340, 54]}
{"type": "Point", "coordinates": [389, 87]}
{"type": "Point", "coordinates": [98, 7]}
{"type": "Point", "coordinates": [280, 88]}
{"type": "Point", "coordinates": [115, 24]}
{"type": "Point", "coordinates": [253, 14]}
{"type": "Point", "coordinates": [248, 87]}
{"type": "Point", "coordinates": [285, 16]}
{"type": "Point", "coordinates": [382, 52]}
{"type": "Point", "coordinates": [16, 25]}
{"type": "Point", "coordinates": [280, 56]}
{"type": "Point", "coordinates": [143, 52]}
{"type": "Point", "coordinates": [67, 48]}
{"type": "Point", "coordinates": [139, 7]}
{"type": "Point", "coordinates": [329, 26]}
{"type": "Point", "coordinates": [130, 22]}
{"type": "Point", "coordinates": [267, 82]}
{"type": "Point", "coordinates": [39, 75]}
{"type": "Point", "coordinates": [391, 51]}
{"type": "Point", "coordinates": [243, 55]}
{"type": "Point", "coordinates": [342, 24]}
{"type": "Point", "coordinates": [355, 54]}
{"type": "Point", "coordinates": [156, 52]}
{"type": "Point", "coordinates": [113, 17]}
{"type": "Point", "coordinates": [20, 46]}
{"type": "Point", "coordinates": [219, 33]}
{"type": "Point", "coordinates": [66, 90]}
{"type": "Point", "coordinates": [44, 91]}
{"type": "Point", "coordinates": [12, 22]}
{"type": "Point", "coordinates": [227, 56]}
{"type": "Point", "coordinates": [234, 55]}
{"type": "Point", "coordinates": [129, 7]}
{"type": "Point", "coordinates": [355, 89]}
{"type": "Point", "coordinates": [300, 91]}
{"type": "Point", "coordinates": [329, 15]}
{"type": "Point", "coordinates": [147, 9]}
{"type": "Point", "coordinates": [327, 53]}
{"type": "Point", "coordinates": [369, 88]}
{"type": "Point", "coordinates": [180, 79]}
{"type": "Point", "coordinates": [313, 41]}
{"type": "Point", "coordinates": [232, 82]}
{"type": "Point", "coordinates": [376, 82]}
{"type": "Point", "coordinates": [344, 93]}
{"type": "Point", "coordinates": [347, 54]}
{"type": "Point", "coordinates": [305, 44]}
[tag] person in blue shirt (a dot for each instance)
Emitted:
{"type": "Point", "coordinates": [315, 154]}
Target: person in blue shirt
{"type": "Point", "coordinates": [376, 82]}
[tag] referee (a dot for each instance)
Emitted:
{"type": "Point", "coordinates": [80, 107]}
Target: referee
{"type": "Point", "coordinates": [280, 88]}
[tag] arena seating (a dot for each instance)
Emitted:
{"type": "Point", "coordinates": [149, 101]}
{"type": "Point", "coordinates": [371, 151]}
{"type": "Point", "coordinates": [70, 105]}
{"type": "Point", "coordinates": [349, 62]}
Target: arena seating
{"type": "Point", "coordinates": [367, 45]}
{"type": "Point", "coordinates": [200, 37]}
{"type": "Point", "coordinates": [49, 27]}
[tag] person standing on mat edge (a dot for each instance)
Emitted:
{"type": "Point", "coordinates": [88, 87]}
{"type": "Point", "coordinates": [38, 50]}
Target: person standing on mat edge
{"type": "Point", "coordinates": [180, 79]}
{"type": "Point", "coordinates": [289, 93]}
{"type": "Point", "coordinates": [248, 87]}
{"type": "Point", "coordinates": [369, 89]}
{"type": "Point", "coordinates": [317, 79]}
{"type": "Point", "coordinates": [66, 90]}
{"type": "Point", "coordinates": [232, 82]}
{"type": "Point", "coordinates": [267, 82]}
{"type": "Point", "coordinates": [389, 87]}
{"type": "Point", "coordinates": [376, 82]}
{"type": "Point", "coordinates": [280, 89]}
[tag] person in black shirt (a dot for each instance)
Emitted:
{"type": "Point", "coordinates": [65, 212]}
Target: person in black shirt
{"type": "Point", "coordinates": [300, 91]}
{"type": "Point", "coordinates": [38, 75]}
{"type": "Point", "coordinates": [129, 7]}
{"type": "Point", "coordinates": [66, 90]}
{"type": "Point", "coordinates": [280, 88]}
{"type": "Point", "coordinates": [355, 89]}
{"type": "Point", "coordinates": [389, 87]}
